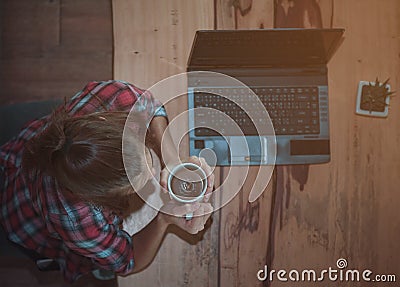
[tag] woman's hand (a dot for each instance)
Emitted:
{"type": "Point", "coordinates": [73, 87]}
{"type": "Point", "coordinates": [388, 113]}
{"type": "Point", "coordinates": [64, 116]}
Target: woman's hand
{"type": "Point", "coordinates": [174, 213]}
{"type": "Point", "coordinates": [196, 160]}
{"type": "Point", "coordinates": [147, 241]}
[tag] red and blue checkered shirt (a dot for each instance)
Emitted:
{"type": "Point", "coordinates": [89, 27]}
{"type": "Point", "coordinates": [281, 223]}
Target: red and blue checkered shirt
{"type": "Point", "coordinates": [37, 215]}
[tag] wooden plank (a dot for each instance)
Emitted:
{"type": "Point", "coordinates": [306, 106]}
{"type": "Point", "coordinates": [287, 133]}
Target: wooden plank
{"type": "Point", "coordinates": [244, 226]}
{"type": "Point", "coordinates": [152, 42]}
{"type": "Point", "coordinates": [305, 237]}
{"type": "Point", "coordinates": [53, 57]}
{"type": "Point", "coordinates": [254, 14]}
{"type": "Point", "coordinates": [301, 201]}
{"type": "Point", "coordinates": [58, 75]}
{"type": "Point", "coordinates": [347, 208]}
{"type": "Point", "coordinates": [244, 14]}
{"type": "Point", "coordinates": [373, 142]}
{"type": "Point", "coordinates": [29, 27]}
{"type": "Point", "coordinates": [85, 23]}
{"type": "Point", "coordinates": [297, 14]}
{"type": "Point", "coordinates": [327, 8]}
{"type": "Point", "coordinates": [151, 54]}
{"type": "Point", "coordinates": [58, 67]}
{"type": "Point", "coordinates": [225, 15]}
{"type": "Point", "coordinates": [244, 232]}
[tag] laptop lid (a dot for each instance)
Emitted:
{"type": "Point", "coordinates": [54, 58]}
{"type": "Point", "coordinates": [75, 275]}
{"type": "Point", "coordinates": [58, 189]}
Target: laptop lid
{"type": "Point", "coordinates": [263, 48]}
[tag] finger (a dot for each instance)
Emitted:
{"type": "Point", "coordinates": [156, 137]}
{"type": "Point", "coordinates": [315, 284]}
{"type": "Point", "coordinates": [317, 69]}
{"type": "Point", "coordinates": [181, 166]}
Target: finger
{"type": "Point", "coordinates": [199, 211]}
{"type": "Point", "coordinates": [204, 209]}
{"type": "Point", "coordinates": [207, 208]}
{"type": "Point", "coordinates": [209, 173]}
{"type": "Point", "coordinates": [196, 224]}
{"type": "Point", "coordinates": [164, 178]}
{"type": "Point", "coordinates": [182, 210]}
{"type": "Point", "coordinates": [210, 182]}
{"type": "Point", "coordinates": [205, 166]}
{"type": "Point", "coordinates": [208, 211]}
{"type": "Point", "coordinates": [207, 197]}
{"type": "Point", "coordinates": [209, 193]}
{"type": "Point", "coordinates": [200, 161]}
{"type": "Point", "coordinates": [194, 159]}
{"type": "Point", "coordinates": [164, 174]}
{"type": "Point", "coordinates": [208, 170]}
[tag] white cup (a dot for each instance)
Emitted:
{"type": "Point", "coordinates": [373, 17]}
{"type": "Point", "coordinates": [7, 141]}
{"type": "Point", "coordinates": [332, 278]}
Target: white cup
{"type": "Point", "coordinates": [187, 183]}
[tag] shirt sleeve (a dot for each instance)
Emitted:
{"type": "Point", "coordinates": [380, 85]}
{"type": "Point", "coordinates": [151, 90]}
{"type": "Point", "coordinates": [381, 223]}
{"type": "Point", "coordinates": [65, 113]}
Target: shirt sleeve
{"type": "Point", "coordinates": [93, 235]}
{"type": "Point", "coordinates": [11, 151]}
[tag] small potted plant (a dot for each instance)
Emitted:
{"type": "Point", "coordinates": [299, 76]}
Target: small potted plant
{"type": "Point", "coordinates": [373, 98]}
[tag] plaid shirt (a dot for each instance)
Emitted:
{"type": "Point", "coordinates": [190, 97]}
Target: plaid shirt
{"type": "Point", "coordinates": [38, 216]}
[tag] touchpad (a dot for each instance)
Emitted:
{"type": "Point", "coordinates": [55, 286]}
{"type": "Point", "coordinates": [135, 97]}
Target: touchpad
{"type": "Point", "coordinates": [309, 147]}
{"type": "Point", "coordinates": [239, 149]}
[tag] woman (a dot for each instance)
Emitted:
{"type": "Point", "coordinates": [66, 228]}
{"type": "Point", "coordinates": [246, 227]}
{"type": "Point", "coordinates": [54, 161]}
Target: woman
{"type": "Point", "coordinates": [65, 188]}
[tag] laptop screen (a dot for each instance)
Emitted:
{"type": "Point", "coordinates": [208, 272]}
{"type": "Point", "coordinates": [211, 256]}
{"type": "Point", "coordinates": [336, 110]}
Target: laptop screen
{"type": "Point", "coordinates": [263, 48]}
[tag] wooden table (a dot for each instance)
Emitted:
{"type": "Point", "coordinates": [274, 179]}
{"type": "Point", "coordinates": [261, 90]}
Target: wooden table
{"type": "Point", "coordinates": [343, 209]}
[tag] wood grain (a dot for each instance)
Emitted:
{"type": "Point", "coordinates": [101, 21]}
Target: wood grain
{"type": "Point", "coordinates": [346, 209]}
{"type": "Point", "coordinates": [244, 228]}
{"type": "Point", "coordinates": [157, 37]}
{"type": "Point", "coordinates": [152, 42]}
{"type": "Point", "coordinates": [51, 49]}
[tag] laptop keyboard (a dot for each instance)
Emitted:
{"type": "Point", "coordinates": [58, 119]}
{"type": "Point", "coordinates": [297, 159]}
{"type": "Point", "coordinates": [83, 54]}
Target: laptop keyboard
{"type": "Point", "coordinates": [293, 110]}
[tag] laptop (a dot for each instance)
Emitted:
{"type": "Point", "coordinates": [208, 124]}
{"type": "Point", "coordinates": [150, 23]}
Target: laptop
{"type": "Point", "coordinates": [283, 69]}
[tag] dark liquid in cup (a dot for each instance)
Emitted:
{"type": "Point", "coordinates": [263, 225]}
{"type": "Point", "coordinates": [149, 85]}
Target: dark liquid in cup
{"type": "Point", "coordinates": [187, 183]}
